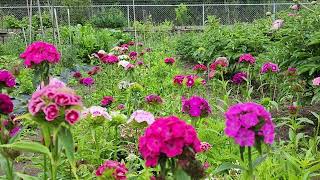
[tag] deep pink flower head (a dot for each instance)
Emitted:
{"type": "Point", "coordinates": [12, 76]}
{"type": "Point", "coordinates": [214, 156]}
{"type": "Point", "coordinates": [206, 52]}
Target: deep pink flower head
{"type": "Point", "coordinates": [205, 146]}
{"type": "Point", "coordinates": [292, 71]}
{"type": "Point", "coordinates": [109, 59]}
{"type": "Point", "coordinates": [239, 77]}
{"type": "Point", "coordinates": [167, 136]}
{"type": "Point", "coordinates": [6, 105]}
{"type": "Point", "coordinates": [77, 75]}
{"type": "Point", "coordinates": [131, 43]}
{"type": "Point", "coordinates": [316, 81]}
{"type": "Point", "coordinates": [119, 170]}
{"type": "Point", "coordinates": [178, 79]}
{"type": "Point", "coordinates": [196, 106]}
{"type": "Point", "coordinates": [246, 121]}
{"type": "Point", "coordinates": [7, 79]}
{"type": "Point", "coordinates": [153, 99]}
{"type": "Point", "coordinates": [169, 60]}
{"type": "Point", "coordinates": [133, 55]}
{"type": "Point", "coordinates": [200, 68]}
{"type": "Point", "coordinates": [54, 101]}
{"type": "Point", "coordinates": [190, 81]}
{"type": "Point", "coordinates": [13, 127]}
{"type": "Point", "coordinates": [269, 67]}
{"type": "Point", "coordinates": [39, 52]}
{"type": "Point", "coordinates": [247, 58]}
{"type": "Point", "coordinates": [220, 62]}
{"type": "Point", "coordinates": [88, 81]}
{"type": "Point", "coordinates": [107, 101]}
{"type": "Point", "coordinates": [140, 63]}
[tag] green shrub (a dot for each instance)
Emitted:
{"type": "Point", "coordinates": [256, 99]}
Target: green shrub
{"type": "Point", "coordinates": [112, 18]}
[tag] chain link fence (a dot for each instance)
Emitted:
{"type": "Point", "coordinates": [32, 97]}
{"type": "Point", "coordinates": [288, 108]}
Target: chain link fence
{"type": "Point", "coordinates": [196, 14]}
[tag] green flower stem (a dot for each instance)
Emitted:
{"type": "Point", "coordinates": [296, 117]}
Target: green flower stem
{"type": "Point", "coordinates": [9, 170]}
{"type": "Point", "coordinates": [250, 171]}
{"type": "Point", "coordinates": [45, 167]}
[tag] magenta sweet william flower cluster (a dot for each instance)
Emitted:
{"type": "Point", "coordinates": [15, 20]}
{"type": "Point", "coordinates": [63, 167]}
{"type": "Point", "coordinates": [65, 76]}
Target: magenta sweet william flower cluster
{"type": "Point", "coordinates": [196, 106]}
{"type": "Point", "coordinates": [7, 79]}
{"type": "Point", "coordinates": [6, 105]}
{"type": "Point", "coordinates": [12, 127]}
{"type": "Point", "coordinates": [133, 55]}
{"type": "Point", "coordinates": [153, 99]}
{"type": "Point", "coordinates": [205, 147]}
{"type": "Point", "coordinates": [167, 137]}
{"type": "Point", "coordinates": [119, 170]}
{"type": "Point", "coordinates": [200, 68]}
{"type": "Point", "coordinates": [169, 60]}
{"type": "Point", "coordinates": [269, 67]}
{"type": "Point", "coordinates": [249, 122]}
{"type": "Point", "coordinates": [188, 80]}
{"type": "Point", "coordinates": [109, 59]}
{"type": "Point", "coordinates": [239, 77]}
{"type": "Point", "coordinates": [107, 101]}
{"type": "Point", "coordinates": [39, 52]}
{"type": "Point", "coordinates": [54, 101]}
{"type": "Point", "coordinates": [247, 58]}
{"type": "Point", "coordinates": [220, 62]}
{"type": "Point", "coordinates": [87, 81]}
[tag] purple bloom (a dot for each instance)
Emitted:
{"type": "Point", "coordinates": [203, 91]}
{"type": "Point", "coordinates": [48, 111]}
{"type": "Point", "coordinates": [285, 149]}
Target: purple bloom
{"type": "Point", "coordinates": [247, 58]}
{"type": "Point", "coordinates": [196, 106]}
{"type": "Point", "coordinates": [269, 67]}
{"type": "Point", "coordinates": [153, 99]}
{"type": "Point", "coordinates": [245, 121]}
{"type": "Point", "coordinates": [239, 77]}
{"type": "Point", "coordinates": [88, 81]}
{"type": "Point", "coordinates": [7, 79]}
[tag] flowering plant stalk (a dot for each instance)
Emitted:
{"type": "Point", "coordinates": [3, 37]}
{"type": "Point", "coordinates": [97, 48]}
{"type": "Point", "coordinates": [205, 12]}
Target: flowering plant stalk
{"type": "Point", "coordinates": [55, 108]}
{"type": "Point", "coordinates": [9, 132]}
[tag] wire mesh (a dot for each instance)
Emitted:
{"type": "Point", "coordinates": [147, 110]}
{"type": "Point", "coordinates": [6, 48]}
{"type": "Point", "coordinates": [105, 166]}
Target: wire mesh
{"type": "Point", "coordinates": [196, 14]}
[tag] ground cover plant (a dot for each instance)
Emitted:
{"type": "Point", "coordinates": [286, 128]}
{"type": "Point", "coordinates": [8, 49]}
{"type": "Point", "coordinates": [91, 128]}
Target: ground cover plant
{"type": "Point", "coordinates": [232, 102]}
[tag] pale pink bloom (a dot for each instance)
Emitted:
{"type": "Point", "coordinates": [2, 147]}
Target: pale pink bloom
{"type": "Point", "coordinates": [277, 24]}
{"type": "Point", "coordinates": [316, 81]}
{"type": "Point", "coordinates": [142, 116]}
{"type": "Point", "coordinates": [98, 111]}
{"type": "Point", "coordinates": [123, 63]}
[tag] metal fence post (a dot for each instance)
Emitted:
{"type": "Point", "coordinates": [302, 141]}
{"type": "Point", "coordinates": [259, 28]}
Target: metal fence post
{"type": "Point", "coordinates": [128, 15]}
{"type": "Point", "coordinates": [203, 15]}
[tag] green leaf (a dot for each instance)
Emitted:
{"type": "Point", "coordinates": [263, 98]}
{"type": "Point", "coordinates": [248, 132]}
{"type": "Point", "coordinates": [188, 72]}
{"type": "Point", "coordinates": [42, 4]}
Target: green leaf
{"type": "Point", "coordinates": [66, 139]}
{"type": "Point", "coordinates": [181, 175]}
{"type": "Point", "coordinates": [259, 160]}
{"type": "Point", "coordinates": [26, 177]}
{"type": "Point", "coordinates": [227, 166]}
{"type": "Point", "coordinates": [29, 147]}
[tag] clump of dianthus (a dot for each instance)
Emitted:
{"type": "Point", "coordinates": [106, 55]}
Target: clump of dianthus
{"type": "Point", "coordinates": [118, 170]}
{"type": "Point", "coordinates": [167, 137]}
{"type": "Point", "coordinates": [249, 123]}
{"type": "Point", "coordinates": [196, 106]}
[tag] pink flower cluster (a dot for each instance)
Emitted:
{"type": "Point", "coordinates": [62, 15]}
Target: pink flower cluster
{"type": "Point", "coordinates": [55, 100]}
{"type": "Point", "coordinates": [196, 106]}
{"type": "Point", "coordinates": [169, 60]}
{"type": "Point", "coordinates": [247, 58]}
{"type": "Point", "coordinates": [239, 77]}
{"type": "Point", "coordinates": [109, 59]}
{"type": "Point", "coordinates": [316, 81]}
{"type": "Point", "coordinates": [107, 101]}
{"type": "Point", "coordinates": [167, 136]}
{"type": "Point", "coordinates": [292, 71]}
{"type": "Point", "coordinates": [133, 55]}
{"type": "Point", "coordinates": [119, 170]}
{"type": "Point", "coordinates": [277, 24]}
{"type": "Point", "coordinates": [248, 123]}
{"type": "Point", "coordinates": [141, 116]}
{"type": "Point", "coordinates": [220, 62]}
{"type": "Point", "coordinates": [153, 99]}
{"type": "Point", "coordinates": [13, 127]}
{"type": "Point", "coordinates": [7, 79]}
{"type": "Point", "coordinates": [189, 80]}
{"type": "Point", "coordinates": [269, 67]}
{"type": "Point", "coordinates": [6, 105]}
{"type": "Point", "coordinates": [39, 52]}
{"type": "Point", "coordinates": [87, 81]}
{"type": "Point", "coordinates": [200, 68]}
{"type": "Point", "coordinates": [205, 146]}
